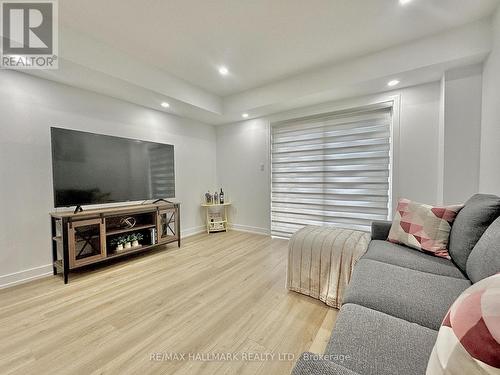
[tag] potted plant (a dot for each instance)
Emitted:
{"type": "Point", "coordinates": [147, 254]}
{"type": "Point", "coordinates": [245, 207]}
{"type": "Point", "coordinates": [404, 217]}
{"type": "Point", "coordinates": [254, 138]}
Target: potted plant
{"type": "Point", "coordinates": [128, 242]}
{"type": "Point", "coordinates": [118, 243]}
{"type": "Point", "coordinates": [135, 238]}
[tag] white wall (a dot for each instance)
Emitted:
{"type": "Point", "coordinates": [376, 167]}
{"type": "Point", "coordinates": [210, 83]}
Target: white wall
{"type": "Point", "coordinates": [462, 133]}
{"type": "Point", "coordinates": [243, 146]}
{"type": "Point", "coordinates": [419, 143]}
{"type": "Point", "coordinates": [489, 180]}
{"type": "Point", "coordinates": [29, 107]}
{"type": "Point", "coordinates": [243, 161]}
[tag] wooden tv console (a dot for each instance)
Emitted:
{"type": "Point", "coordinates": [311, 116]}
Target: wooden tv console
{"type": "Point", "coordinates": [83, 238]}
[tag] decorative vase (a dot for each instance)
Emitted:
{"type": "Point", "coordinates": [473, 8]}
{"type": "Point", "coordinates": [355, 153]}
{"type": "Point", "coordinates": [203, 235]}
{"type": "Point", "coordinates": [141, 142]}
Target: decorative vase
{"type": "Point", "coordinates": [128, 245]}
{"type": "Point", "coordinates": [135, 243]}
{"type": "Point", "coordinates": [119, 247]}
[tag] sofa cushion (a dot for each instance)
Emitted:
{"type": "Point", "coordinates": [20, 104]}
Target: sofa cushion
{"type": "Point", "coordinates": [403, 256]}
{"type": "Point", "coordinates": [471, 222]}
{"type": "Point", "coordinates": [377, 343]}
{"type": "Point", "coordinates": [308, 364]}
{"type": "Point", "coordinates": [418, 297]}
{"type": "Point", "coordinates": [423, 227]}
{"type": "Point", "coordinates": [469, 339]}
{"type": "Point", "coordinates": [484, 259]}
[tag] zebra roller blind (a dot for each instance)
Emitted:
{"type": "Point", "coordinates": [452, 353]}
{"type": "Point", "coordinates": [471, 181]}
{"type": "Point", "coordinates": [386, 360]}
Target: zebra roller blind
{"type": "Point", "coordinates": [332, 169]}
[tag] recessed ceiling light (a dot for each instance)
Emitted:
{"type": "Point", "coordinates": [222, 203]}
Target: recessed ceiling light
{"type": "Point", "coordinates": [392, 83]}
{"type": "Point", "coordinates": [404, 2]}
{"type": "Point", "coordinates": [223, 71]}
{"type": "Point", "coordinates": [165, 105]}
{"type": "Point", "coordinates": [244, 115]}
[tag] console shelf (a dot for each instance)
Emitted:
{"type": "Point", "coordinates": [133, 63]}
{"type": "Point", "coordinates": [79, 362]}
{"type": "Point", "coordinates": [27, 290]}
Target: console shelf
{"type": "Point", "coordinates": [126, 230]}
{"type": "Point", "coordinates": [84, 238]}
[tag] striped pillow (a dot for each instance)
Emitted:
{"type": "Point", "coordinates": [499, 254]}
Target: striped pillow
{"type": "Point", "coordinates": [469, 339]}
{"type": "Point", "coordinates": [423, 227]}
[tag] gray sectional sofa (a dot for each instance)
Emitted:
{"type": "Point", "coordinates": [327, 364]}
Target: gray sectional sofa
{"type": "Point", "coordinates": [398, 297]}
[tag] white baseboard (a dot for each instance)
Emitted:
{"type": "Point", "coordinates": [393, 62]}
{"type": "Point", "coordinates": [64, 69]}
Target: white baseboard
{"type": "Point", "coordinates": [192, 231]}
{"type": "Point", "coordinates": [237, 227]}
{"type": "Point", "coordinates": [25, 276]}
{"type": "Point", "coordinates": [250, 229]}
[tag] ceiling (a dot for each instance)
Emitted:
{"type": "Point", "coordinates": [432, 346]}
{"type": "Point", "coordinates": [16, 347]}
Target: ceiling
{"type": "Point", "coordinates": [260, 41]}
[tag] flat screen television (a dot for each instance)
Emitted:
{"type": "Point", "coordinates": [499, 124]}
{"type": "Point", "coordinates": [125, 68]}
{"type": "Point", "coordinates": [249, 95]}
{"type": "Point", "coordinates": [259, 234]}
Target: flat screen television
{"type": "Point", "coordinates": [91, 168]}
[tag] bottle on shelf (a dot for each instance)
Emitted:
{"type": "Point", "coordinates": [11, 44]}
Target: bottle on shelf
{"type": "Point", "coordinates": [216, 198]}
{"type": "Point", "coordinates": [221, 196]}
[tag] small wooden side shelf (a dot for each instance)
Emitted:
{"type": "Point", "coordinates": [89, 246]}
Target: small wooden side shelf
{"type": "Point", "coordinates": [83, 238]}
{"type": "Point", "coordinates": [221, 225]}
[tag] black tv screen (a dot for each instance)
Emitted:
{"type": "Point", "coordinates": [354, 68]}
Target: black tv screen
{"type": "Point", "coordinates": [91, 169]}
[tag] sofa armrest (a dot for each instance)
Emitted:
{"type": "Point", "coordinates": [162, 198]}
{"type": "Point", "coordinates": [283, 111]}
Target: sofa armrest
{"type": "Point", "coordinates": [309, 364]}
{"type": "Point", "coordinates": [380, 230]}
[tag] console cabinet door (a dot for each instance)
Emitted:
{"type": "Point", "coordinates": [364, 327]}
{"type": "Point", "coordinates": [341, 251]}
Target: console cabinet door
{"type": "Point", "coordinates": [87, 242]}
{"type": "Point", "coordinates": [167, 225]}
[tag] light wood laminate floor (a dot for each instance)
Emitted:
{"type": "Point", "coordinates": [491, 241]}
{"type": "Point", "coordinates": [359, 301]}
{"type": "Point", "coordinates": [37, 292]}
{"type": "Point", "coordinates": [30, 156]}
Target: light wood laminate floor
{"type": "Point", "coordinates": [218, 293]}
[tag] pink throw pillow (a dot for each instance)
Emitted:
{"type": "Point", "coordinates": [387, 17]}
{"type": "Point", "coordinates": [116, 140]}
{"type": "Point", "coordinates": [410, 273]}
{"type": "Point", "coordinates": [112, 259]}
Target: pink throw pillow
{"type": "Point", "coordinates": [423, 227]}
{"type": "Point", "coordinates": [469, 339]}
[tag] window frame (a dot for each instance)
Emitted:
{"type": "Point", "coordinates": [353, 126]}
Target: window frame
{"type": "Point", "coordinates": [392, 101]}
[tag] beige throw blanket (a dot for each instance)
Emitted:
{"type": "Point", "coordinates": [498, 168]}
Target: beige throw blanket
{"type": "Point", "coordinates": [321, 259]}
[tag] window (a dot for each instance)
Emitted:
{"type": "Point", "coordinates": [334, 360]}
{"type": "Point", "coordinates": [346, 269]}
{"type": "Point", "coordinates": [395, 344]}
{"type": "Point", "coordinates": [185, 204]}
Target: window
{"type": "Point", "coordinates": [333, 169]}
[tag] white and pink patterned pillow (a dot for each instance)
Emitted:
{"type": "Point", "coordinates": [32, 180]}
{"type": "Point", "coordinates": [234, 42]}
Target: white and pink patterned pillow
{"type": "Point", "coordinates": [469, 338]}
{"type": "Point", "coordinates": [423, 227]}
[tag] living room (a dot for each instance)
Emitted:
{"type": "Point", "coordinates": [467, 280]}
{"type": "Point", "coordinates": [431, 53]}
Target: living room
{"type": "Point", "coordinates": [309, 157]}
